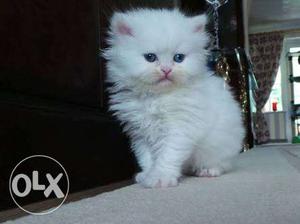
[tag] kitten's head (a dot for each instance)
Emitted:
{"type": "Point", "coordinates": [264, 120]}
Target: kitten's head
{"type": "Point", "coordinates": [155, 50]}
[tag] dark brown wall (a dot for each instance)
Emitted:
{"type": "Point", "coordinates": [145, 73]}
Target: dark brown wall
{"type": "Point", "coordinates": [48, 49]}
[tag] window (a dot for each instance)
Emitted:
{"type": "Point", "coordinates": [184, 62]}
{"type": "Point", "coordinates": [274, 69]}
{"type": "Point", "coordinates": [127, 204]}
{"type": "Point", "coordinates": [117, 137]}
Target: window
{"type": "Point", "coordinates": [294, 49]}
{"type": "Point", "coordinates": [275, 96]}
{"type": "Point", "coordinates": [276, 93]}
{"type": "Point", "coordinates": [296, 73]}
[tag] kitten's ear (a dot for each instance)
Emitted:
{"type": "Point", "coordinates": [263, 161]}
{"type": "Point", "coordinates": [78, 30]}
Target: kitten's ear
{"type": "Point", "coordinates": [119, 25]}
{"type": "Point", "coordinates": [199, 22]}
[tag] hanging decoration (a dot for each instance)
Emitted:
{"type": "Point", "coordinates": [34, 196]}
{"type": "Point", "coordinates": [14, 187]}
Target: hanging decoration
{"type": "Point", "coordinates": [216, 4]}
{"type": "Point", "coordinates": [220, 61]}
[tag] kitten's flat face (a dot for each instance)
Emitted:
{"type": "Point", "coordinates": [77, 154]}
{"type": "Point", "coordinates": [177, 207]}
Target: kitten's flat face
{"type": "Point", "coordinates": [156, 49]}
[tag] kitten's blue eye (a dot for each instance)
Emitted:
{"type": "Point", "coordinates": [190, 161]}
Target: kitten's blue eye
{"type": "Point", "coordinates": [150, 57]}
{"type": "Point", "coordinates": [179, 58]}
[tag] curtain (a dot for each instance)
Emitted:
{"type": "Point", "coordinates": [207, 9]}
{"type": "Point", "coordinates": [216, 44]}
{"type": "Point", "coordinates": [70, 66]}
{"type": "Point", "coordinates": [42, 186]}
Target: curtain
{"type": "Point", "coordinates": [265, 51]}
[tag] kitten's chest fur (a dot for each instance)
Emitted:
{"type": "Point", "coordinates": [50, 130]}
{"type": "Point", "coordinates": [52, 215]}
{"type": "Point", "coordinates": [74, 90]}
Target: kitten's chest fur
{"type": "Point", "coordinates": [154, 117]}
{"type": "Point", "coordinates": [150, 117]}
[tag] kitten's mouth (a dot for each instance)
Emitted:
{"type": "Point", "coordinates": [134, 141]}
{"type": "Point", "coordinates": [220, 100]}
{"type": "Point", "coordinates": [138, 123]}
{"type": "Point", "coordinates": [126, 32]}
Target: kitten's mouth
{"type": "Point", "coordinates": [164, 79]}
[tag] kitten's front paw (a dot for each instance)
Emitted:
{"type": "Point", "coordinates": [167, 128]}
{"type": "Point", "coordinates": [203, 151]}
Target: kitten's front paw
{"type": "Point", "coordinates": [140, 177]}
{"type": "Point", "coordinates": [209, 172]}
{"type": "Point", "coordinates": [154, 180]}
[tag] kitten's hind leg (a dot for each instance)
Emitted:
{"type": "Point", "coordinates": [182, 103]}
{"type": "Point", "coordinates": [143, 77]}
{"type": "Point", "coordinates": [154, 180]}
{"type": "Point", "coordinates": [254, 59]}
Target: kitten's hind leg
{"type": "Point", "coordinates": [209, 172]}
{"type": "Point", "coordinates": [209, 165]}
{"type": "Point", "coordinates": [215, 169]}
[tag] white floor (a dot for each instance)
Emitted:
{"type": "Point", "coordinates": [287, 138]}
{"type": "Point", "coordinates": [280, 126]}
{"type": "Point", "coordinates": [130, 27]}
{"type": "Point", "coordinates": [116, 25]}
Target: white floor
{"type": "Point", "coordinates": [263, 189]}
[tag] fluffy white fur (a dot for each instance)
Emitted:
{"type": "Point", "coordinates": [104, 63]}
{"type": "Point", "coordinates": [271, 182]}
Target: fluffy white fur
{"type": "Point", "coordinates": [188, 124]}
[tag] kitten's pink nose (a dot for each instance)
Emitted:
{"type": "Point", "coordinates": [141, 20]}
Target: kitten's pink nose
{"type": "Point", "coordinates": [166, 70]}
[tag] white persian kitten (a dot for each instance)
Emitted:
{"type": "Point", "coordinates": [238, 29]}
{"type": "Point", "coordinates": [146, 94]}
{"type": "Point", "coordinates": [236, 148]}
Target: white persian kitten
{"type": "Point", "coordinates": [179, 116]}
